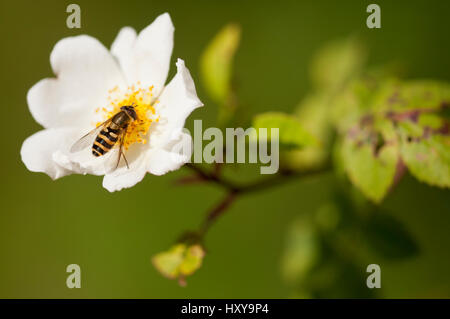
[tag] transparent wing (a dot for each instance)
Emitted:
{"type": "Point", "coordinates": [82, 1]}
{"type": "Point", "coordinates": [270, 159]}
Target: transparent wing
{"type": "Point", "coordinates": [87, 139]}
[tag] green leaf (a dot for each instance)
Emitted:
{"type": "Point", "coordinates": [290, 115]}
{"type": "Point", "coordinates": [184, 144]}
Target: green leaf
{"type": "Point", "coordinates": [370, 169]}
{"type": "Point", "coordinates": [192, 260]}
{"type": "Point", "coordinates": [413, 95]}
{"type": "Point", "coordinates": [302, 251]}
{"type": "Point", "coordinates": [412, 112]}
{"type": "Point", "coordinates": [291, 133]}
{"type": "Point", "coordinates": [356, 99]}
{"type": "Point", "coordinates": [179, 261]}
{"type": "Point", "coordinates": [431, 120]}
{"type": "Point", "coordinates": [389, 238]}
{"type": "Point", "coordinates": [168, 262]}
{"type": "Point", "coordinates": [313, 115]}
{"type": "Point", "coordinates": [336, 63]}
{"type": "Point", "coordinates": [427, 158]}
{"type": "Point", "coordinates": [217, 68]}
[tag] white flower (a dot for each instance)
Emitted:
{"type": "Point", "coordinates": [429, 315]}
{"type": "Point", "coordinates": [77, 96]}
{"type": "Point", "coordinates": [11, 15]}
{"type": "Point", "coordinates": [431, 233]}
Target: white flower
{"type": "Point", "coordinates": [92, 84]}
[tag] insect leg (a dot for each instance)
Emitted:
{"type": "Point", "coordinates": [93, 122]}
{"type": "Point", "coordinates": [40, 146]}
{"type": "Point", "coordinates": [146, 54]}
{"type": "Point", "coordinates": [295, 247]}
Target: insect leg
{"type": "Point", "coordinates": [121, 151]}
{"type": "Point", "coordinates": [126, 162]}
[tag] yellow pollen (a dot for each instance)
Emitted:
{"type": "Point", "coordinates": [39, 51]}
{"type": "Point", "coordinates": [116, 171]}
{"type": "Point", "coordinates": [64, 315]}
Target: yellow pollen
{"type": "Point", "coordinates": [142, 100]}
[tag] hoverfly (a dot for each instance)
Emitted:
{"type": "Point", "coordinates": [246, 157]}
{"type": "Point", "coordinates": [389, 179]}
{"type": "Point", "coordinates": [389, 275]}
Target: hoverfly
{"type": "Point", "coordinates": [107, 134]}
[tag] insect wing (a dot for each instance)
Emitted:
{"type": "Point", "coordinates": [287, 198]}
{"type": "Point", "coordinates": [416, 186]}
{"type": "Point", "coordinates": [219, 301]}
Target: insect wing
{"type": "Point", "coordinates": [87, 139]}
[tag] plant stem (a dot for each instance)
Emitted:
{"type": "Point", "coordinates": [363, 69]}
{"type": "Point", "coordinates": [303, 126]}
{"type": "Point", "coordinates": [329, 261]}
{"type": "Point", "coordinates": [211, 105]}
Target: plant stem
{"type": "Point", "coordinates": [210, 177]}
{"type": "Point", "coordinates": [216, 212]}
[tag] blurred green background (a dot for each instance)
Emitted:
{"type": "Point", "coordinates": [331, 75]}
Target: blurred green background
{"type": "Point", "coordinates": [46, 225]}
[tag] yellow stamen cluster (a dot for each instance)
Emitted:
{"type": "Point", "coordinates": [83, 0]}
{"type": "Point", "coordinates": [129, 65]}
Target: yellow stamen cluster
{"type": "Point", "coordinates": [142, 100]}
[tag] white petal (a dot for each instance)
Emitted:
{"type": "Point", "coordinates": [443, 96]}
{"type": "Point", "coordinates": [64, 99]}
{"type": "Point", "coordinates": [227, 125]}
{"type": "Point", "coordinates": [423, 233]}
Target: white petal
{"type": "Point", "coordinates": [38, 149]}
{"type": "Point", "coordinates": [172, 157]}
{"type": "Point", "coordinates": [125, 177]}
{"type": "Point", "coordinates": [176, 103]}
{"type": "Point", "coordinates": [84, 162]}
{"type": "Point", "coordinates": [161, 161]}
{"type": "Point", "coordinates": [122, 45]}
{"type": "Point", "coordinates": [85, 72]}
{"type": "Point", "coordinates": [147, 57]}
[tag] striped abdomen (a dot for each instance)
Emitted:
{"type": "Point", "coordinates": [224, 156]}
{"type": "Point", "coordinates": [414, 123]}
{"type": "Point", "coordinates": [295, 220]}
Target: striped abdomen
{"type": "Point", "coordinates": [105, 140]}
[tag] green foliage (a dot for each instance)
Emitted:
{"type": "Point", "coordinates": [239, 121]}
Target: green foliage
{"type": "Point", "coordinates": [313, 115]}
{"type": "Point", "coordinates": [385, 125]}
{"type": "Point", "coordinates": [301, 251]}
{"type": "Point", "coordinates": [371, 170]}
{"type": "Point", "coordinates": [327, 250]}
{"type": "Point", "coordinates": [368, 109]}
{"type": "Point", "coordinates": [336, 63]}
{"type": "Point", "coordinates": [217, 69]}
{"type": "Point", "coordinates": [316, 261]}
{"type": "Point", "coordinates": [373, 126]}
{"type": "Point", "coordinates": [355, 100]}
{"type": "Point", "coordinates": [291, 133]}
{"type": "Point", "coordinates": [179, 261]}
{"type": "Point", "coordinates": [412, 95]}
{"type": "Point", "coordinates": [333, 66]}
{"type": "Point", "coordinates": [428, 158]}
{"type": "Point", "coordinates": [381, 122]}
{"type": "Point", "coordinates": [369, 154]}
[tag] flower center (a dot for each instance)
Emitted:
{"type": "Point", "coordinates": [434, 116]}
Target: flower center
{"type": "Point", "coordinates": [142, 100]}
